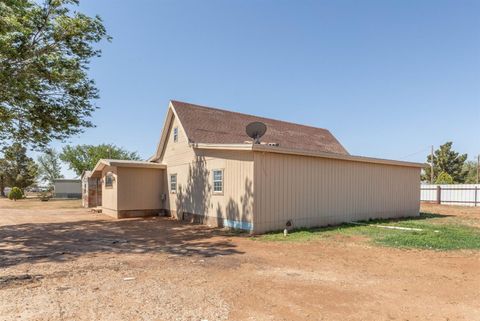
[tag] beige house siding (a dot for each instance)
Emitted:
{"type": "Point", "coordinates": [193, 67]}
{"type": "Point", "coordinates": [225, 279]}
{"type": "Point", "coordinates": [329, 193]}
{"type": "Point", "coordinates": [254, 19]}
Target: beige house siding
{"type": "Point", "coordinates": [233, 207]}
{"type": "Point", "coordinates": [193, 167]}
{"type": "Point", "coordinates": [177, 152]}
{"type": "Point", "coordinates": [314, 191]}
{"type": "Point", "coordinates": [177, 156]}
{"type": "Point", "coordinates": [140, 188]}
{"type": "Point", "coordinates": [109, 194]}
{"type": "Point", "coordinates": [135, 191]}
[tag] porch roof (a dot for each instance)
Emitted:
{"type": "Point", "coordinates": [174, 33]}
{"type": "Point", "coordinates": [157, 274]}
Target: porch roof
{"type": "Point", "coordinates": [96, 172]}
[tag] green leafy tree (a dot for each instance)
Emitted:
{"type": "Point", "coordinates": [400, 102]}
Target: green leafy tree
{"type": "Point", "coordinates": [444, 178]}
{"type": "Point", "coordinates": [84, 157]}
{"type": "Point", "coordinates": [19, 169]}
{"type": "Point", "coordinates": [448, 161]}
{"type": "Point", "coordinates": [15, 194]}
{"type": "Point", "coordinates": [470, 168]}
{"type": "Point", "coordinates": [49, 167]}
{"type": "Point", "coordinates": [45, 51]}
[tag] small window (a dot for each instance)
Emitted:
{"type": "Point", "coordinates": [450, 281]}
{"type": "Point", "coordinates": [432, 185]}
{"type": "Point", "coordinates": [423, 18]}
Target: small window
{"type": "Point", "coordinates": [218, 181]}
{"type": "Point", "coordinates": [109, 180]}
{"type": "Point", "coordinates": [175, 134]}
{"type": "Point", "coordinates": [173, 183]}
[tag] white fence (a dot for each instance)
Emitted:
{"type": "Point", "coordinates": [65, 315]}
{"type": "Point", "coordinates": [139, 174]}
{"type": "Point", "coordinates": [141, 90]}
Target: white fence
{"type": "Point", "coordinates": [455, 194]}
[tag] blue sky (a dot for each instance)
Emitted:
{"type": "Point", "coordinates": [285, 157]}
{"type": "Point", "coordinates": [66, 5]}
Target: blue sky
{"type": "Point", "coordinates": [388, 78]}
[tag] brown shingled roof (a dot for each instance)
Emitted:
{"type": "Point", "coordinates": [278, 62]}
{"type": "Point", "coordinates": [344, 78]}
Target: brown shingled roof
{"type": "Point", "coordinates": [216, 126]}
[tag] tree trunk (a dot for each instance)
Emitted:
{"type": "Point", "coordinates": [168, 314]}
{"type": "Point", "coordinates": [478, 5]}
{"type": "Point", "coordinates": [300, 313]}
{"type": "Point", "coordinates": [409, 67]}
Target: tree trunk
{"type": "Point", "coordinates": [2, 185]}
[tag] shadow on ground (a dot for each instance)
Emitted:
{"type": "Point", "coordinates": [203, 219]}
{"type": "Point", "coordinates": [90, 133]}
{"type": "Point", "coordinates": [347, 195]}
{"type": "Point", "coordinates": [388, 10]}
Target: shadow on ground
{"type": "Point", "coordinates": [422, 216]}
{"type": "Point", "coordinates": [44, 242]}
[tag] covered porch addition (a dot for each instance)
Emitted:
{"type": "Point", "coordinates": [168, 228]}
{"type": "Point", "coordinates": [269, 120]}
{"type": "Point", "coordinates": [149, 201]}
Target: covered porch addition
{"type": "Point", "coordinates": [132, 188]}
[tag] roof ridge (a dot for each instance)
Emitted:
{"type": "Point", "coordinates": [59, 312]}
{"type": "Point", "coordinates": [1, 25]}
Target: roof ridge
{"type": "Point", "coordinates": [244, 114]}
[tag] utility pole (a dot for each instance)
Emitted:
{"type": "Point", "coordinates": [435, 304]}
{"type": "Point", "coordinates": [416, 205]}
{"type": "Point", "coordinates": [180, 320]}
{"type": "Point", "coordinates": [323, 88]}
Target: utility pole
{"type": "Point", "coordinates": [478, 169]}
{"type": "Point", "coordinates": [431, 166]}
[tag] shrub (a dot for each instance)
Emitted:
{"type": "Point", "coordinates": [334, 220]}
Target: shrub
{"type": "Point", "coordinates": [444, 178]}
{"type": "Point", "coordinates": [15, 194]}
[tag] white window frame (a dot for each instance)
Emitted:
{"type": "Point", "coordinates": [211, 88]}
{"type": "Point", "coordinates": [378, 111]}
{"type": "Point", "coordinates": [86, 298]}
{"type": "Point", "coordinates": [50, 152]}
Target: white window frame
{"type": "Point", "coordinates": [173, 190]}
{"type": "Point", "coordinates": [222, 181]}
{"type": "Point", "coordinates": [175, 134]}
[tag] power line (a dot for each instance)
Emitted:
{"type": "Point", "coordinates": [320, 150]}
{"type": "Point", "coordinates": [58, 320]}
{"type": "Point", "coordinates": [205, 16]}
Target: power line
{"type": "Point", "coordinates": [413, 154]}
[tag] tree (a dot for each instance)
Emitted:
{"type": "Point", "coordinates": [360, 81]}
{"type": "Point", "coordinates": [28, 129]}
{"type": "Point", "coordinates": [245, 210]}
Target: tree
{"type": "Point", "coordinates": [84, 157]}
{"type": "Point", "coordinates": [19, 169]}
{"type": "Point", "coordinates": [45, 50]}
{"type": "Point", "coordinates": [470, 168]}
{"type": "Point", "coordinates": [15, 194]}
{"type": "Point", "coordinates": [448, 161]}
{"type": "Point", "coordinates": [49, 166]}
{"type": "Point", "coordinates": [444, 178]}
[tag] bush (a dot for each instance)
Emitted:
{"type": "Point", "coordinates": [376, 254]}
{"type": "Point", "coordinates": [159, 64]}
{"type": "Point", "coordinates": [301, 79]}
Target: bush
{"type": "Point", "coordinates": [444, 178]}
{"type": "Point", "coordinates": [15, 194]}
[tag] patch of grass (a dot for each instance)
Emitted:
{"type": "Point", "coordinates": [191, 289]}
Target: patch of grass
{"type": "Point", "coordinates": [35, 203]}
{"type": "Point", "coordinates": [436, 233]}
{"type": "Point", "coordinates": [305, 234]}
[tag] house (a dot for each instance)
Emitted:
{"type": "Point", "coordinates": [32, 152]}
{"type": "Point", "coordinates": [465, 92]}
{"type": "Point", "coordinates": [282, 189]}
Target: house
{"type": "Point", "coordinates": [91, 190]}
{"type": "Point", "coordinates": [67, 188]}
{"type": "Point", "coordinates": [207, 170]}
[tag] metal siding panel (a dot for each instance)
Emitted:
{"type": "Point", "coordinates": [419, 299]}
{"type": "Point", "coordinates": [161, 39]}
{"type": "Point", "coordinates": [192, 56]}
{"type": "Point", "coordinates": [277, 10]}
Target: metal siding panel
{"type": "Point", "coordinates": [317, 191]}
{"type": "Point", "coordinates": [140, 188]}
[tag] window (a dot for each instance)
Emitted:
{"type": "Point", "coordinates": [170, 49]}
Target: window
{"type": "Point", "coordinates": [175, 134]}
{"type": "Point", "coordinates": [218, 181]}
{"type": "Point", "coordinates": [109, 180]}
{"type": "Point", "coordinates": [173, 183]}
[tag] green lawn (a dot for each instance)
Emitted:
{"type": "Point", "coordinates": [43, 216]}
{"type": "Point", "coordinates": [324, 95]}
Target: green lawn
{"type": "Point", "coordinates": [439, 232]}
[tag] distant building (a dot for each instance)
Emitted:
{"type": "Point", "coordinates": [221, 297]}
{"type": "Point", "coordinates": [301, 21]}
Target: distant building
{"type": "Point", "coordinates": [67, 188]}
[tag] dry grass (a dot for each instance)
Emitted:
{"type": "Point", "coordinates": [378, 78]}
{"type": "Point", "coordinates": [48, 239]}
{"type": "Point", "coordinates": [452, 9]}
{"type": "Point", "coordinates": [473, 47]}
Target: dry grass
{"type": "Point", "coordinates": [35, 203]}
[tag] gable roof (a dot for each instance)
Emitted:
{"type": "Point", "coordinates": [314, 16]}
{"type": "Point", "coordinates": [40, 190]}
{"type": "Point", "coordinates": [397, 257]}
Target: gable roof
{"type": "Point", "coordinates": [206, 125]}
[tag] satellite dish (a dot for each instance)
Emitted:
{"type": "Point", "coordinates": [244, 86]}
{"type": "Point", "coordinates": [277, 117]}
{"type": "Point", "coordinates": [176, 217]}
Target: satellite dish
{"type": "Point", "coordinates": [256, 130]}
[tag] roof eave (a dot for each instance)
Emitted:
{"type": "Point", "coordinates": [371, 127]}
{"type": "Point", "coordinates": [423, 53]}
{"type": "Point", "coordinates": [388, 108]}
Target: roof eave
{"type": "Point", "coordinates": [102, 163]}
{"type": "Point", "coordinates": [363, 159]}
{"type": "Point", "coordinates": [222, 146]}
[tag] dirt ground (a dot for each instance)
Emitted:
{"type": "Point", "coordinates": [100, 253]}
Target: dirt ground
{"type": "Point", "coordinates": [71, 264]}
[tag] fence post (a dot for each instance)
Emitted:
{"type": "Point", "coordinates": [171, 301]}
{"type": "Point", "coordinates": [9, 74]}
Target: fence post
{"type": "Point", "coordinates": [476, 193]}
{"type": "Point", "coordinates": [439, 195]}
